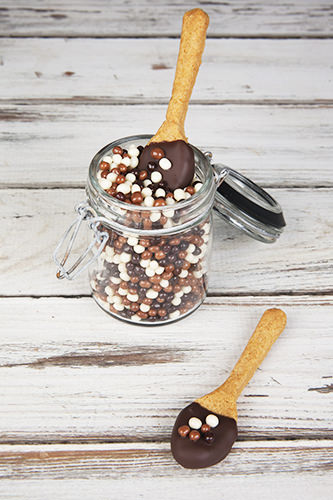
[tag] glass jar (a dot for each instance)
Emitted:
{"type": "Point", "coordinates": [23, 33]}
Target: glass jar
{"type": "Point", "coordinates": [148, 265]}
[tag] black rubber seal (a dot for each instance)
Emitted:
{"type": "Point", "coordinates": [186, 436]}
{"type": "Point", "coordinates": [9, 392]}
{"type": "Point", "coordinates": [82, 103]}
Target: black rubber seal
{"type": "Point", "coordinates": [252, 209]}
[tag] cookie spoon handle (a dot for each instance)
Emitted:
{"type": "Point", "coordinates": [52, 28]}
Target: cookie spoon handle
{"type": "Point", "coordinates": [269, 328]}
{"type": "Point", "coordinates": [192, 43]}
{"type": "Point", "coordinates": [223, 399]}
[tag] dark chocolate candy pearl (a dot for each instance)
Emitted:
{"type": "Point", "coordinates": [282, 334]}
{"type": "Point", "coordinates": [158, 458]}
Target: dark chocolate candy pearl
{"type": "Point", "coordinates": [202, 453]}
{"type": "Point", "coordinates": [209, 437]}
{"type": "Point", "coordinates": [181, 173]}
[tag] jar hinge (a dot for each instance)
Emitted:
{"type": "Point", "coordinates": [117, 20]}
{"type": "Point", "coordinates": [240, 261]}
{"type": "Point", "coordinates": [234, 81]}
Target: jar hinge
{"type": "Point", "coordinates": [100, 238]}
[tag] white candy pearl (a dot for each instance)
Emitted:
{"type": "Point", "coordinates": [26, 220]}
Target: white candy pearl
{"type": "Point", "coordinates": [147, 182]}
{"type": "Point", "coordinates": [126, 161]}
{"type": "Point", "coordinates": [144, 262]}
{"type": "Point", "coordinates": [105, 183]}
{"type": "Point", "coordinates": [179, 194]}
{"type": "Point", "coordinates": [133, 151]}
{"type": "Point", "coordinates": [134, 162]}
{"type": "Point", "coordinates": [108, 290]}
{"type": "Point", "coordinates": [151, 294]}
{"type": "Point", "coordinates": [160, 193]}
{"type": "Point", "coordinates": [187, 289]}
{"type": "Point", "coordinates": [126, 257]}
{"type": "Point", "coordinates": [112, 176]}
{"type": "Point", "coordinates": [165, 163]}
{"type": "Point", "coordinates": [148, 201]}
{"type": "Point", "coordinates": [155, 216]}
{"type": "Point", "coordinates": [154, 264]}
{"type": "Point", "coordinates": [132, 241]}
{"type": "Point", "coordinates": [136, 188]}
{"type": "Point", "coordinates": [146, 192]}
{"type": "Point", "coordinates": [156, 177]}
{"type": "Point", "coordinates": [135, 317]}
{"type": "Point", "coordinates": [169, 213]}
{"type": "Point", "coordinates": [197, 186]}
{"type": "Point", "coordinates": [119, 307]}
{"type": "Point", "coordinates": [164, 283]}
{"type": "Point", "coordinates": [150, 272]}
{"type": "Point", "coordinates": [133, 297]}
{"type": "Point", "coordinates": [183, 274]}
{"type": "Point", "coordinates": [139, 248]}
{"type": "Point", "coordinates": [195, 423]}
{"type": "Point", "coordinates": [124, 188]}
{"type": "Point", "coordinates": [144, 308]}
{"type": "Point", "coordinates": [122, 291]}
{"type": "Point", "coordinates": [124, 276]}
{"type": "Point", "coordinates": [159, 270]}
{"type": "Point", "coordinates": [107, 159]}
{"type": "Point", "coordinates": [115, 280]}
{"type": "Point", "coordinates": [174, 314]}
{"type": "Point", "coordinates": [212, 420]}
{"type": "Point", "coordinates": [170, 201]}
{"type": "Point", "coordinates": [130, 178]}
{"type": "Point", "coordinates": [122, 267]}
{"type": "Point", "coordinates": [117, 159]}
{"type": "Point", "coordinates": [176, 301]}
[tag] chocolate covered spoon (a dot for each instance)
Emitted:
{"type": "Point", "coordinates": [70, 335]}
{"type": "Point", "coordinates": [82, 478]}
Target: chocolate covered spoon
{"type": "Point", "coordinates": [205, 431]}
{"type": "Point", "coordinates": [170, 142]}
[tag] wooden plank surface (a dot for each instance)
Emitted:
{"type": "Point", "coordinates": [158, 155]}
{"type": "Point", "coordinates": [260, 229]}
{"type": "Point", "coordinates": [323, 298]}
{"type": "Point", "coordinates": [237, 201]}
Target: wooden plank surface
{"type": "Point", "coordinates": [75, 374]}
{"type": "Point", "coordinates": [300, 262]}
{"type": "Point", "coordinates": [51, 145]}
{"type": "Point", "coordinates": [135, 71]}
{"type": "Point", "coordinates": [142, 18]}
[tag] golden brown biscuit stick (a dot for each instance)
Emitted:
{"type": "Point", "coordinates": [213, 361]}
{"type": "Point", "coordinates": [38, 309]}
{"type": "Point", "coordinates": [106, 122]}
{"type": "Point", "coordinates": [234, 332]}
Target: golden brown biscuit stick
{"type": "Point", "coordinates": [192, 43]}
{"type": "Point", "coordinates": [223, 399]}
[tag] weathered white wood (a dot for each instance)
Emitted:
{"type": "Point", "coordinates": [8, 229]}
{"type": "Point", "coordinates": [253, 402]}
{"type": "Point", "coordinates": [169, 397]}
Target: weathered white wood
{"type": "Point", "coordinates": [144, 18]}
{"type": "Point", "coordinates": [52, 145]}
{"type": "Point", "coordinates": [32, 222]}
{"type": "Point", "coordinates": [129, 486]}
{"type": "Point", "coordinates": [69, 372]}
{"type": "Point", "coordinates": [124, 70]}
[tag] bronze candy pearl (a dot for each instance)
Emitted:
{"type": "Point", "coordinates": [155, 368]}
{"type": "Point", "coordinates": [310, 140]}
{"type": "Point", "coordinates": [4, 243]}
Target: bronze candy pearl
{"type": "Point", "coordinates": [137, 198]}
{"type": "Point", "coordinates": [122, 168]}
{"type": "Point", "coordinates": [143, 175]}
{"type": "Point", "coordinates": [142, 315]}
{"type": "Point", "coordinates": [205, 428]}
{"type": "Point", "coordinates": [120, 179]}
{"type": "Point", "coordinates": [117, 150]}
{"type": "Point", "coordinates": [157, 153]}
{"type": "Point", "coordinates": [194, 435]}
{"type": "Point", "coordinates": [183, 430]}
{"type": "Point", "coordinates": [146, 255]}
{"type": "Point", "coordinates": [160, 202]}
{"type": "Point", "coordinates": [104, 165]}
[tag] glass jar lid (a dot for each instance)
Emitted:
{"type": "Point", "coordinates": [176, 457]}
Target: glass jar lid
{"type": "Point", "coordinates": [248, 207]}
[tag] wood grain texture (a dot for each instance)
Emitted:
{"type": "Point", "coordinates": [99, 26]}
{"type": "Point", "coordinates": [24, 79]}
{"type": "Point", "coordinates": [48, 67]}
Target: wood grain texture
{"type": "Point", "coordinates": [142, 18]}
{"type": "Point", "coordinates": [52, 145]}
{"type": "Point", "coordinates": [126, 70]}
{"type": "Point", "coordinates": [32, 222]}
{"type": "Point", "coordinates": [96, 379]}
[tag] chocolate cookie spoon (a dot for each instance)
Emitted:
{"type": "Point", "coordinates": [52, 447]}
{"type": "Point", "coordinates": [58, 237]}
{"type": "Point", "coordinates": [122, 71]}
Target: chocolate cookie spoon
{"type": "Point", "coordinates": [169, 144]}
{"type": "Point", "coordinates": [205, 431]}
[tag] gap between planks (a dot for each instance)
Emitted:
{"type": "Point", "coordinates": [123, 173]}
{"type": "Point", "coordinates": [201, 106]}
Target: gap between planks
{"type": "Point", "coordinates": [102, 100]}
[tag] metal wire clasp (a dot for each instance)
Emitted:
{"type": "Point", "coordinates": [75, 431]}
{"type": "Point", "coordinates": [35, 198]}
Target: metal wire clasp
{"type": "Point", "coordinates": [100, 237]}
